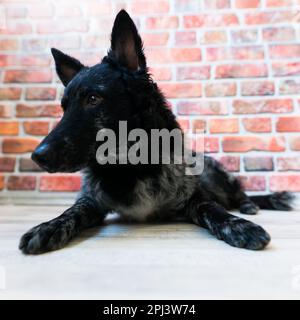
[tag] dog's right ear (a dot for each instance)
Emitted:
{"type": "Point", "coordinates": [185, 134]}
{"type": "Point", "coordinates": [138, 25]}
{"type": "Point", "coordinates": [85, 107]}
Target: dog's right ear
{"type": "Point", "coordinates": [66, 66]}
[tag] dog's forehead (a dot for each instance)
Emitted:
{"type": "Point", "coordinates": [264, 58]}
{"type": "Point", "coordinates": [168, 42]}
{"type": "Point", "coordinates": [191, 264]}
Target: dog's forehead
{"type": "Point", "coordinates": [101, 75]}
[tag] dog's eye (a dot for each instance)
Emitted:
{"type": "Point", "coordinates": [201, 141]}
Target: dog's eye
{"type": "Point", "coordinates": [93, 99]}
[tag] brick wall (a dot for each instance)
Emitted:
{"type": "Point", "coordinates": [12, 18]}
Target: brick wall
{"type": "Point", "coordinates": [228, 67]}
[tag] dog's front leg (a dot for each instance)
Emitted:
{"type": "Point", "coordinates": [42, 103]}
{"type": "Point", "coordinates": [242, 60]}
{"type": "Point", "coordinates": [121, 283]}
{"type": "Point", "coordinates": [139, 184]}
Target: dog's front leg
{"type": "Point", "coordinates": [56, 233]}
{"type": "Point", "coordinates": [233, 230]}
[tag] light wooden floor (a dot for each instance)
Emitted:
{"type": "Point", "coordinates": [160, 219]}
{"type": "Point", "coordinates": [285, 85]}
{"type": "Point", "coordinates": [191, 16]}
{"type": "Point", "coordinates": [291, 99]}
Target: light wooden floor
{"type": "Point", "coordinates": [150, 261]}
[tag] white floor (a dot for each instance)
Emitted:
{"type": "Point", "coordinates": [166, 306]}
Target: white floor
{"type": "Point", "coordinates": [149, 261]}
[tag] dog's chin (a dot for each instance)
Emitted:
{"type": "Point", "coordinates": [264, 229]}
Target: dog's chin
{"type": "Point", "coordinates": [62, 169]}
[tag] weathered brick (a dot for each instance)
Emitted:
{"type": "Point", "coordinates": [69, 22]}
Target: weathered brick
{"type": "Point", "coordinates": [273, 34]}
{"type": "Point", "coordinates": [247, 4]}
{"type": "Point", "coordinates": [220, 89]}
{"type": "Point", "coordinates": [244, 36]}
{"type": "Point", "coordinates": [241, 71]}
{"type": "Point", "coordinates": [2, 182]}
{"type": "Point", "coordinates": [173, 55]}
{"type": "Point", "coordinates": [21, 183]}
{"type": "Point", "coordinates": [262, 106]}
{"type": "Point", "coordinates": [257, 124]}
{"type": "Point", "coordinates": [161, 74]}
{"type": "Point", "coordinates": [10, 93]}
{"type": "Point", "coordinates": [5, 111]}
{"type": "Point", "coordinates": [284, 51]}
{"type": "Point", "coordinates": [235, 53]}
{"type": "Point", "coordinates": [44, 110]}
{"type": "Point", "coordinates": [253, 183]}
{"type": "Point", "coordinates": [253, 143]}
{"type": "Point", "coordinates": [149, 7]}
{"type": "Point", "coordinates": [60, 183]}
{"type": "Point", "coordinates": [36, 127]}
{"type": "Point", "coordinates": [9, 128]}
{"type": "Point", "coordinates": [40, 93]}
{"type": "Point", "coordinates": [281, 69]}
{"type": "Point", "coordinates": [223, 125]}
{"type": "Point", "coordinates": [258, 88]}
{"type": "Point", "coordinates": [27, 76]}
{"type": "Point", "coordinates": [155, 39]}
{"type": "Point", "coordinates": [199, 126]}
{"type": "Point", "coordinates": [193, 73]}
{"type": "Point", "coordinates": [27, 165]}
{"type": "Point", "coordinates": [288, 163]}
{"type": "Point", "coordinates": [185, 38]}
{"type": "Point", "coordinates": [258, 164]}
{"type": "Point", "coordinates": [9, 44]}
{"type": "Point", "coordinates": [230, 163]}
{"type": "Point", "coordinates": [210, 20]}
{"type": "Point", "coordinates": [202, 108]}
{"type": "Point", "coordinates": [7, 164]}
{"type": "Point", "coordinates": [181, 90]}
{"type": "Point", "coordinates": [214, 37]}
{"type": "Point", "coordinates": [19, 145]}
{"type": "Point", "coordinates": [295, 143]}
{"type": "Point", "coordinates": [165, 22]}
{"type": "Point", "coordinates": [288, 124]}
{"type": "Point", "coordinates": [285, 182]}
{"type": "Point", "coordinates": [289, 87]}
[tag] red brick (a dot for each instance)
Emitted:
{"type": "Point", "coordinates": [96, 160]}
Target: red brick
{"type": "Point", "coordinates": [202, 108]}
{"type": "Point", "coordinates": [10, 128]}
{"type": "Point", "coordinates": [253, 183]}
{"type": "Point", "coordinates": [244, 36]}
{"type": "Point", "coordinates": [241, 71]}
{"type": "Point", "coordinates": [44, 110]}
{"type": "Point", "coordinates": [40, 93]}
{"type": "Point", "coordinates": [210, 20]}
{"type": "Point", "coordinates": [295, 143]}
{"type": "Point", "coordinates": [217, 4]}
{"type": "Point", "coordinates": [149, 7]}
{"type": "Point", "coordinates": [34, 44]}
{"type": "Point", "coordinates": [27, 165]}
{"type": "Point", "coordinates": [289, 87]}
{"type": "Point", "coordinates": [193, 73]}
{"type": "Point", "coordinates": [99, 8]}
{"type": "Point", "coordinates": [220, 89]}
{"type": "Point", "coordinates": [15, 11]}
{"type": "Point", "coordinates": [288, 124]}
{"type": "Point", "coordinates": [161, 74]}
{"type": "Point", "coordinates": [19, 145]}
{"type": "Point", "coordinates": [214, 37]}
{"type": "Point", "coordinates": [36, 127]}
{"type": "Point", "coordinates": [185, 38]}
{"type": "Point", "coordinates": [1, 182]}
{"type": "Point", "coordinates": [279, 34]}
{"type": "Point", "coordinates": [184, 124]}
{"type": "Point", "coordinates": [258, 164]}
{"type": "Point", "coordinates": [181, 90]}
{"type": "Point", "coordinates": [24, 60]}
{"type": "Point", "coordinates": [166, 22]}
{"type": "Point", "coordinates": [279, 3]}
{"type": "Point", "coordinates": [21, 183]}
{"type": "Point", "coordinates": [205, 144]}
{"type": "Point", "coordinates": [16, 28]}
{"type": "Point", "coordinates": [7, 164]}
{"type": "Point", "coordinates": [199, 126]}
{"type": "Point", "coordinates": [27, 76]}
{"type": "Point", "coordinates": [258, 18]}
{"type": "Point", "coordinates": [281, 69]}
{"type": "Point", "coordinates": [223, 125]}
{"type": "Point", "coordinates": [60, 26]}
{"type": "Point", "coordinates": [238, 53]}
{"type": "Point", "coordinates": [285, 182]}
{"type": "Point", "coordinates": [247, 4]}
{"type": "Point", "coordinates": [60, 183]}
{"type": "Point", "coordinates": [186, 5]}
{"type": "Point", "coordinates": [40, 11]}
{"type": "Point", "coordinates": [9, 44]}
{"type": "Point", "coordinates": [172, 55]}
{"type": "Point", "coordinates": [258, 88]}
{"type": "Point", "coordinates": [70, 11]}
{"type": "Point", "coordinates": [262, 106]}
{"type": "Point", "coordinates": [230, 163]}
{"type": "Point", "coordinates": [5, 111]}
{"type": "Point", "coordinates": [288, 163]}
{"type": "Point", "coordinates": [155, 39]}
{"type": "Point", "coordinates": [253, 143]}
{"type": "Point", "coordinates": [257, 124]}
{"type": "Point", "coordinates": [284, 51]}
{"type": "Point", "coordinates": [10, 93]}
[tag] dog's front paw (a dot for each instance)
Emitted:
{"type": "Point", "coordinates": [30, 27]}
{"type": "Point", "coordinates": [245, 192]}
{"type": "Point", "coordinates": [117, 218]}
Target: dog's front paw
{"type": "Point", "coordinates": [45, 237]}
{"type": "Point", "coordinates": [248, 207]}
{"type": "Point", "coordinates": [244, 234]}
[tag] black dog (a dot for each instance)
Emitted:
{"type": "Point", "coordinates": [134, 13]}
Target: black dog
{"type": "Point", "coordinates": [120, 89]}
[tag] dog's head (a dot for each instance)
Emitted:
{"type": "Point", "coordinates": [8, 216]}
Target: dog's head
{"type": "Point", "coordinates": [94, 98]}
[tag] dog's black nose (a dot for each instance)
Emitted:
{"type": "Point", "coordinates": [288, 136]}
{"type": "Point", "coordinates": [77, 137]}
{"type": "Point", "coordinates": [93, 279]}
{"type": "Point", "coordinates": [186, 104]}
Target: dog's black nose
{"type": "Point", "coordinates": [42, 155]}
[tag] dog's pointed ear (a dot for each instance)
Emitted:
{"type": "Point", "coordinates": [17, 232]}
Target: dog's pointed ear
{"type": "Point", "coordinates": [66, 66]}
{"type": "Point", "coordinates": [126, 43]}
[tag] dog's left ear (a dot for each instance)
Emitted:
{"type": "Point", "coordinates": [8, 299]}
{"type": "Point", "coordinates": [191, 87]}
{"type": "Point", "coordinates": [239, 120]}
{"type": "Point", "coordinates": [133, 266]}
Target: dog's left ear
{"type": "Point", "coordinates": [66, 67]}
{"type": "Point", "coordinates": [126, 43]}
